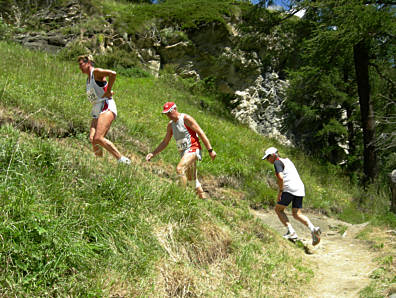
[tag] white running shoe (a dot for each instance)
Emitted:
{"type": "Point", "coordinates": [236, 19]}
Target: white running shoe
{"type": "Point", "coordinates": [316, 236]}
{"type": "Point", "coordinates": [291, 236]}
{"type": "Point", "coordinates": [124, 160]}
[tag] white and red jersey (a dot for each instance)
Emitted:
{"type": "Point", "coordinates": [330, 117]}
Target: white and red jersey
{"type": "Point", "coordinates": [94, 90]}
{"type": "Point", "coordinates": [186, 138]}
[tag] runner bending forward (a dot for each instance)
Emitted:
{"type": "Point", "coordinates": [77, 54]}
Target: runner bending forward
{"type": "Point", "coordinates": [104, 109]}
{"type": "Point", "coordinates": [185, 130]}
{"type": "Point", "coordinates": [291, 190]}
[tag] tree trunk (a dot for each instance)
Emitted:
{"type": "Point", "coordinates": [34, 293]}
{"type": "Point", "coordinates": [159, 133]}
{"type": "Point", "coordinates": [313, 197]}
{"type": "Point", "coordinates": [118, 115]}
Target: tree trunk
{"type": "Point", "coordinates": [361, 59]}
{"type": "Point", "coordinates": [393, 192]}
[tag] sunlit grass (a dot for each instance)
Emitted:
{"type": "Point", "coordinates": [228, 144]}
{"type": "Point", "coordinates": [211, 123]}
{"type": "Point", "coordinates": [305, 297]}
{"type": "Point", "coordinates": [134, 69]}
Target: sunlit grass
{"type": "Point", "coordinates": [75, 225]}
{"type": "Point", "coordinates": [54, 91]}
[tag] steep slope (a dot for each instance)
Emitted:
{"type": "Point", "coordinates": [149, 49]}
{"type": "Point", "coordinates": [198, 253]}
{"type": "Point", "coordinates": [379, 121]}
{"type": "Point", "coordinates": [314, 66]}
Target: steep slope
{"type": "Point", "coordinates": [75, 225]}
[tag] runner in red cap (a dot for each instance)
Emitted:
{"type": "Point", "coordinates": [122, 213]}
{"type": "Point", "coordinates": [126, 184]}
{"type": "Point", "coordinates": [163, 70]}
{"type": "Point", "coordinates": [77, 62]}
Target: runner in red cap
{"type": "Point", "coordinates": [186, 131]}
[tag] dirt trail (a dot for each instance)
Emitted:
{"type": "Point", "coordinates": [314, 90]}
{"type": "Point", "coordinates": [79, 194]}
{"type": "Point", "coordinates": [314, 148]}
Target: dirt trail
{"type": "Point", "coordinates": [342, 264]}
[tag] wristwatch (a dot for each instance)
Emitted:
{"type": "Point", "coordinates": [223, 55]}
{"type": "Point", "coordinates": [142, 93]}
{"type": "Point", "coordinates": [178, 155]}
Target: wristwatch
{"type": "Point", "coordinates": [210, 150]}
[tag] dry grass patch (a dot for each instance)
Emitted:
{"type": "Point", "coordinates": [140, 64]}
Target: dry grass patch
{"type": "Point", "coordinates": [218, 188]}
{"type": "Point", "coordinates": [214, 244]}
{"type": "Point", "coordinates": [116, 286]}
{"type": "Point", "coordinates": [200, 246]}
{"type": "Point", "coordinates": [178, 281]}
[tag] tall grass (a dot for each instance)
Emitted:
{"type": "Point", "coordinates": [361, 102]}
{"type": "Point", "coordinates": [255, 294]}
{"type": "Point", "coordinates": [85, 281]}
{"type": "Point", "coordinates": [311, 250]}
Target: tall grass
{"type": "Point", "coordinates": [53, 92]}
{"type": "Point", "coordinates": [76, 225]}
{"type": "Point", "coordinates": [72, 225]}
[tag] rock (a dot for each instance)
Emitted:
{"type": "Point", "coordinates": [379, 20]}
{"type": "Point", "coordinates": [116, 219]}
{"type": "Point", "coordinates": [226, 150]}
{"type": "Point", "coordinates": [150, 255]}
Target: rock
{"type": "Point", "coordinates": [154, 67]}
{"type": "Point", "coordinates": [242, 63]}
{"type": "Point", "coordinates": [259, 106]}
{"type": "Point", "coordinates": [176, 52]}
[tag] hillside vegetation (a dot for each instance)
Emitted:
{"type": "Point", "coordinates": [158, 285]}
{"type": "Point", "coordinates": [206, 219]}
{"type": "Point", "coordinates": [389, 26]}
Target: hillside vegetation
{"type": "Point", "coordinates": [76, 225]}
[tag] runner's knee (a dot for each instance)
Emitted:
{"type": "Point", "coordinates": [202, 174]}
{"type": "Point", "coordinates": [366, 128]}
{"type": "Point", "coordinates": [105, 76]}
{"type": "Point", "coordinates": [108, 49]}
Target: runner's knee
{"type": "Point", "coordinates": [98, 139]}
{"type": "Point", "coordinates": [180, 169]}
{"type": "Point", "coordinates": [296, 214]}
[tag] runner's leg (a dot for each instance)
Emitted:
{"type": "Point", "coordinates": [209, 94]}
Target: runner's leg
{"type": "Point", "coordinates": [280, 211]}
{"type": "Point", "coordinates": [297, 214]}
{"type": "Point", "coordinates": [103, 125]}
{"type": "Point", "coordinates": [193, 177]}
{"type": "Point", "coordinates": [96, 148]}
{"type": "Point", "coordinates": [182, 168]}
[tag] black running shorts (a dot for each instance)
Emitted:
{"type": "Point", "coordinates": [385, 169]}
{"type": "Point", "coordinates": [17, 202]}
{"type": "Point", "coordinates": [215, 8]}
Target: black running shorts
{"type": "Point", "coordinates": [287, 197]}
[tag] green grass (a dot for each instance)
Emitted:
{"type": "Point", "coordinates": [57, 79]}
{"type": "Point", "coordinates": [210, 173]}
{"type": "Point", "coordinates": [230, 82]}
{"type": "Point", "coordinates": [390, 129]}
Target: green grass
{"type": "Point", "coordinates": [75, 225]}
{"type": "Point", "coordinates": [51, 92]}
{"type": "Point", "coordinates": [383, 278]}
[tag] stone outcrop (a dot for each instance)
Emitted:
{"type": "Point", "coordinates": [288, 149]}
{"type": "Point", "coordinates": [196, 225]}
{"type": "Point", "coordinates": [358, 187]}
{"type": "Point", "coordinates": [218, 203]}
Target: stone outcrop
{"type": "Point", "coordinates": [260, 106]}
{"type": "Point", "coordinates": [214, 50]}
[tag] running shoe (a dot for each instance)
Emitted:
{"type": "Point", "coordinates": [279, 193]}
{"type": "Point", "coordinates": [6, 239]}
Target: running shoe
{"type": "Point", "coordinates": [124, 160]}
{"type": "Point", "coordinates": [316, 236]}
{"type": "Point", "coordinates": [291, 236]}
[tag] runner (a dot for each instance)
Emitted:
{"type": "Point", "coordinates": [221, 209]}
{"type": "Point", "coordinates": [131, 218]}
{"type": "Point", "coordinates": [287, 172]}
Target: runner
{"type": "Point", "coordinates": [104, 109]}
{"type": "Point", "coordinates": [185, 130]}
{"type": "Point", "coordinates": [291, 189]}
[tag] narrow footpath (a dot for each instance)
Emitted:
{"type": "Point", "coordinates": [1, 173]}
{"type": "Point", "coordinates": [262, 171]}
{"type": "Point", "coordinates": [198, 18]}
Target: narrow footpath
{"type": "Point", "coordinates": [341, 263]}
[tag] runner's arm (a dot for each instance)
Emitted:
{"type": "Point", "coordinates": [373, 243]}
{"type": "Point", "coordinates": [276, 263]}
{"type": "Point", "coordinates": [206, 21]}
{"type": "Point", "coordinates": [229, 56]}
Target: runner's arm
{"type": "Point", "coordinates": [100, 75]}
{"type": "Point", "coordinates": [163, 144]}
{"type": "Point", "coordinates": [279, 178]}
{"type": "Point", "coordinates": [190, 121]}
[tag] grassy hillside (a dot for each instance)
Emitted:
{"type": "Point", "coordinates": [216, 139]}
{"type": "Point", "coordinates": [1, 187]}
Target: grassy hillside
{"type": "Point", "coordinates": [75, 225]}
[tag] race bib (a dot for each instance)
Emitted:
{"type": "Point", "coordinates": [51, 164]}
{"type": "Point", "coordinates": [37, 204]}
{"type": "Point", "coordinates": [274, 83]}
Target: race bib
{"type": "Point", "coordinates": [182, 144]}
{"type": "Point", "coordinates": [91, 95]}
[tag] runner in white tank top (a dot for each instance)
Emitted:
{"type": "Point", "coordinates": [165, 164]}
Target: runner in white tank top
{"type": "Point", "coordinates": [185, 131]}
{"type": "Point", "coordinates": [104, 110]}
{"type": "Point", "coordinates": [95, 92]}
{"type": "Point", "coordinates": [186, 139]}
{"type": "Point", "coordinates": [291, 190]}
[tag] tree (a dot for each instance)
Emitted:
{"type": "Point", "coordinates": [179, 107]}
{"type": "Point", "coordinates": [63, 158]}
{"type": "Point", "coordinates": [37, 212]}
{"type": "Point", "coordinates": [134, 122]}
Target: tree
{"type": "Point", "coordinates": [358, 31]}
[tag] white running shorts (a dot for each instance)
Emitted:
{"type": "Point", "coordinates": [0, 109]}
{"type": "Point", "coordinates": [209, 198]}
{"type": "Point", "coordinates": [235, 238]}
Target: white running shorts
{"type": "Point", "coordinates": [103, 106]}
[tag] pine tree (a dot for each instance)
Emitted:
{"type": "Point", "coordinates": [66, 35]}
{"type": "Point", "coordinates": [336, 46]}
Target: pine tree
{"type": "Point", "coordinates": [344, 31]}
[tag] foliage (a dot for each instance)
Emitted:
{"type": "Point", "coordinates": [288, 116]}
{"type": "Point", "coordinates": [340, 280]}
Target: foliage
{"type": "Point", "coordinates": [4, 30]}
{"type": "Point", "coordinates": [13, 11]}
{"type": "Point", "coordinates": [270, 34]}
{"type": "Point", "coordinates": [326, 86]}
{"type": "Point", "coordinates": [187, 14]}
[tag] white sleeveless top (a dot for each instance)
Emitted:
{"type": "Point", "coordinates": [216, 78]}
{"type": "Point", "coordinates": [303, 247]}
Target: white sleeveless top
{"type": "Point", "coordinates": [292, 182]}
{"type": "Point", "coordinates": [186, 138]}
{"type": "Point", "coordinates": [94, 91]}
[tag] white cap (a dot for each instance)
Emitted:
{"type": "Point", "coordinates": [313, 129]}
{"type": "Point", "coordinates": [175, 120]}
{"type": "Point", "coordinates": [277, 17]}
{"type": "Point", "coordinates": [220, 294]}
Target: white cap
{"type": "Point", "coordinates": [269, 151]}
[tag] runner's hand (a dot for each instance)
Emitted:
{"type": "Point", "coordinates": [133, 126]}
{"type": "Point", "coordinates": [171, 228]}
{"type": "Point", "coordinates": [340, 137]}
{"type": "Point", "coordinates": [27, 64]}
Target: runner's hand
{"type": "Point", "coordinates": [212, 155]}
{"type": "Point", "coordinates": [279, 195]}
{"type": "Point", "coordinates": [149, 156]}
{"type": "Point", "coordinates": [108, 94]}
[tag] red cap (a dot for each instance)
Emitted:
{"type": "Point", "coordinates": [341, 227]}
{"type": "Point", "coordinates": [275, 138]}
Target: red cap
{"type": "Point", "coordinates": [168, 107]}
